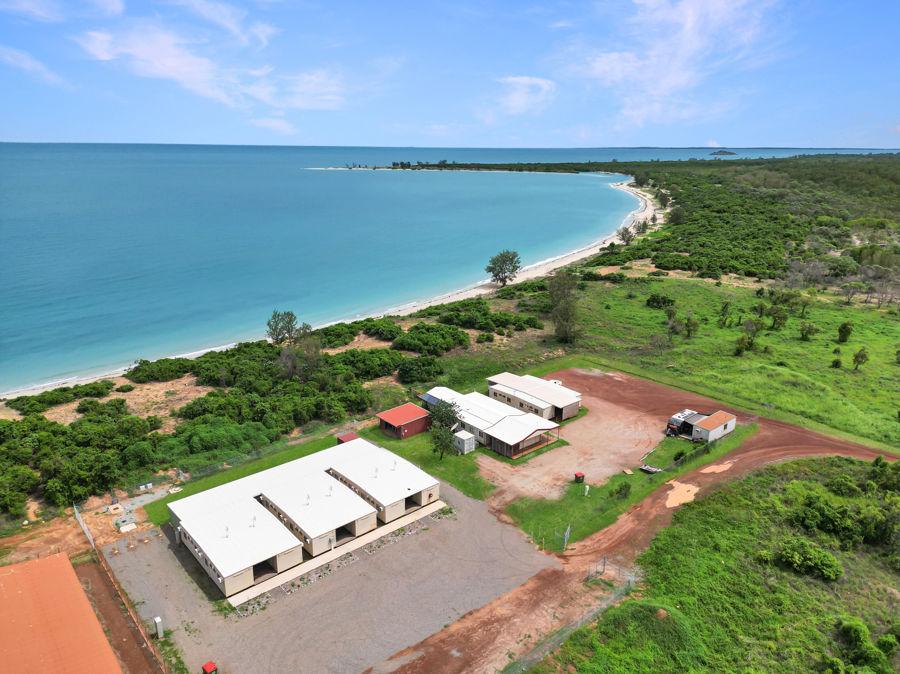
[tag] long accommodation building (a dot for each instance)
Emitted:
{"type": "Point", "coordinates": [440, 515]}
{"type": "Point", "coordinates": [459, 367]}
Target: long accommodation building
{"type": "Point", "coordinates": [247, 530]}
{"type": "Point", "coordinates": [547, 399]}
{"type": "Point", "coordinates": [506, 430]}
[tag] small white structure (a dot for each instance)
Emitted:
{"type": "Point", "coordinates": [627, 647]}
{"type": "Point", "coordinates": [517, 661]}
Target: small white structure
{"type": "Point", "coordinates": [546, 399]}
{"type": "Point", "coordinates": [464, 442]}
{"type": "Point", "coordinates": [714, 426]}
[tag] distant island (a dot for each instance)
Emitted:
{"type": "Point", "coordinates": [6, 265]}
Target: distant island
{"type": "Point", "coordinates": [722, 153]}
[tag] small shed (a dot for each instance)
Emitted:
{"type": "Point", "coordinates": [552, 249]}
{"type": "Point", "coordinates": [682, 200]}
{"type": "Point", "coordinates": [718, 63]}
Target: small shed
{"type": "Point", "coordinates": [714, 426]}
{"type": "Point", "coordinates": [404, 421]}
{"type": "Point", "coordinates": [464, 442]}
{"type": "Point", "coordinates": [347, 437]}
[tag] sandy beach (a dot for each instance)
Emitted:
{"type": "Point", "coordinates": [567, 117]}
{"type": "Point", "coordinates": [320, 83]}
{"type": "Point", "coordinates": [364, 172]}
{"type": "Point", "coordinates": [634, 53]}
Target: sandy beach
{"type": "Point", "coordinates": [644, 212]}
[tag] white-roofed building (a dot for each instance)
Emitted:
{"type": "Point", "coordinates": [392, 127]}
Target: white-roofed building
{"type": "Point", "coordinates": [547, 399]}
{"type": "Point", "coordinates": [505, 429]}
{"type": "Point", "coordinates": [245, 531]}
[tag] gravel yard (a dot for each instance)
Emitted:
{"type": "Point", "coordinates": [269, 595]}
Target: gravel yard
{"type": "Point", "coordinates": [367, 606]}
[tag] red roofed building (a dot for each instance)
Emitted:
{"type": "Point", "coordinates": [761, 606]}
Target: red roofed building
{"type": "Point", "coordinates": [404, 421]}
{"type": "Point", "coordinates": [347, 437]}
{"type": "Point", "coordinates": [47, 623]}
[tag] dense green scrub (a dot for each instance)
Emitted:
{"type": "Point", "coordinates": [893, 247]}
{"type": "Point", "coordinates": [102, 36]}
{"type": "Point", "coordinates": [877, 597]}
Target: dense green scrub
{"type": "Point", "coordinates": [736, 582]}
{"type": "Point", "coordinates": [753, 217]}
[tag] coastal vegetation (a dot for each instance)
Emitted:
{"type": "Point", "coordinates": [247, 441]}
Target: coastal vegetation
{"type": "Point", "coordinates": [810, 219]}
{"type": "Point", "coordinates": [794, 568]}
{"type": "Point", "coordinates": [504, 266]}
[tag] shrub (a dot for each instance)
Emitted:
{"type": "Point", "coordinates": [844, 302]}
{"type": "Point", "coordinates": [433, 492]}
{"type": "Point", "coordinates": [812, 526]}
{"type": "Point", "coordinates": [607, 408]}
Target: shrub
{"type": "Point", "coordinates": [369, 363]}
{"type": "Point", "coordinates": [125, 388]}
{"type": "Point", "coordinates": [339, 334]}
{"type": "Point", "coordinates": [805, 557]}
{"type": "Point", "coordinates": [58, 396]}
{"type": "Point", "coordinates": [657, 301]}
{"type": "Point", "coordinates": [164, 369]}
{"type": "Point", "coordinates": [845, 329]}
{"type": "Point", "coordinates": [658, 272]}
{"type": "Point", "coordinates": [423, 368]}
{"type": "Point", "coordinates": [484, 337]}
{"type": "Point", "coordinates": [381, 328]}
{"type": "Point", "coordinates": [837, 364]}
{"type": "Point", "coordinates": [622, 490]}
{"type": "Point", "coordinates": [614, 277]}
{"type": "Point", "coordinates": [430, 339]}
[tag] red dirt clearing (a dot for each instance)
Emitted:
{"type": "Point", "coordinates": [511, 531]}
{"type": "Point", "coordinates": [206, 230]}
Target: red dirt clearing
{"type": "Point", "coordinates": [482, 640]}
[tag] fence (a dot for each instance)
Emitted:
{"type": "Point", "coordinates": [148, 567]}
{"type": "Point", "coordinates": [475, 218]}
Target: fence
{"type": "Point", "coordinates": [556, 639]}
{"type": "Point", "coordinates": [123, 596]}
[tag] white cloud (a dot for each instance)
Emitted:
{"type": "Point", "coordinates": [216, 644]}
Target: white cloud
{"type": "Point", "coordinates": [39, 10]}
{"type": "Point", "coordinates": [562, 24]}
{"type": "Point", "coordinates": [230, 19]}
{"type": "Point", "coordinates": [109, 7]}
{"type": "Point", "coordinates": [276, 124]}
{"type": "Point", "coordinates": [314, 90]}
{"type": "Point", "coordinates": [154, 52]}
{"type": "Point", "coordinates": [523, 94]}
{"type": "Point", "coordinates": [24, 61]}
{"type": "Point", "coordinates": [678, 46]}
{"type": "Point", "coordinates": [712, 142]}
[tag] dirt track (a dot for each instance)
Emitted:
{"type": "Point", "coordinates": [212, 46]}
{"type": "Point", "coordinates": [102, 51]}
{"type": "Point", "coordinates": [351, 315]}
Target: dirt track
{"type": "Point", "coordinates": [482, 640]}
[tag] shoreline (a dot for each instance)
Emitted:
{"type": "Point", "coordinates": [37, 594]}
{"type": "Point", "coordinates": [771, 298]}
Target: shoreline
{"type": "Point", "coordinates": [644, 210]}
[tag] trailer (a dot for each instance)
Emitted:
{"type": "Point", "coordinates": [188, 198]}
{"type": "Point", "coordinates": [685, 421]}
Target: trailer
{"type": "Point", "coordinates": [681, 424]}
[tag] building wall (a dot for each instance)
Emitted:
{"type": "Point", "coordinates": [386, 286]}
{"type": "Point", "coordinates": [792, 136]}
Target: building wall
{"type": "Point", "coordinates": [393, 511]}
{"type": "Point", "coordinates": [714, 434]}
{"type": "Point", "coordinates": [406, 430]}
{"type": "Point", "coordinates": [568, 411]}
{"type": "Point", "coordinates": [513, 400]}
{"type": "Point", "coordinates": [287, 559]}
{"type": "Point", "coordinates": [321, 544]}
{"type": "Point", "coordinates": [363, 525]}
{"type": "Point", "coordinates": [427, 496]}
{"type": "Point", "coordinates": [236, 582]}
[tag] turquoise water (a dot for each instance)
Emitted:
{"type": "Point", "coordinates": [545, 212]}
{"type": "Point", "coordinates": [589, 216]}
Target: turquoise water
{"type": "Point", "coordinates": [116, 252]}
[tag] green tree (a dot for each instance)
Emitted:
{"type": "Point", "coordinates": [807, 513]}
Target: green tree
{"type": "Point", "coordinates": [691, 325]}
{"type": "Point", "coordinates": [564, 305]}
{"type": "Point", "coordinates": [850, 290]}
{"type": "Point", "coordinates": [807, 330]}
{"type": "Point", "coordinates": [626, 234]}
{"type": "Point", "coordinates": [845, 329]}
{"type": "Point", "coordinates": [441, 440]}
{"type": "Point", "coordinates": [504, 266]}
{"type": "Point", "coordinates": [282, 328]}
{"type": "Point", "coordinates": [861, 357]}
{"type": "Point", "coordinates": [444, 414]}
{"type": "Point", "coordinates": [779, 316]}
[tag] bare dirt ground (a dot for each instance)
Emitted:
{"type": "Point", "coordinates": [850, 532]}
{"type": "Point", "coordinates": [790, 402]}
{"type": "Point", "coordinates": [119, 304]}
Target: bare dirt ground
{"type": "Point", "coordinates": [644, 266]}
{"type": "Point", "coordinates": [120, 629]}
{"type": "Point", "coordinates": [610, 438]}
{"type": "Point", "coordinates": [61, 534]}
{"type": "Point", "coordinates": [362, 342]}
{"type": "Point", "coordinates": [153, 398]}
{"type": "Point", "coordinates": [484, 640]}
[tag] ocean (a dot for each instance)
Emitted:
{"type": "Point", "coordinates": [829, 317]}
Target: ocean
{"type": "Point", "coordinates": [110, 253]}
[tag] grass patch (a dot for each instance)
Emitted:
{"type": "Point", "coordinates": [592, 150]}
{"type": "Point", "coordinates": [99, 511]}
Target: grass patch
{"type": "Point", "coordinates": [545, 520]}
{"type": "Point", "coordinates": [518, 461]}
{"type": "Point", "coordinates": [172, 654]}
{"type": "Point", "coordinates": [715, 601]}
{"type": "Point", "coordinates": [459, 470]}
{"type": "Point", "coordinates": [158, 513]}
{"type": "Point", "coordinates": [663, 455]}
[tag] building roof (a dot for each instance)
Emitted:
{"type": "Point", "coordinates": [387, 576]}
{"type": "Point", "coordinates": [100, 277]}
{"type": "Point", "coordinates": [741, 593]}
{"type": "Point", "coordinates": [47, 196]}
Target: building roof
{"type": "Point", "coordinates": [317, 502]}
{"type": "Point", "coordinates": [713, 421]}
{"type": "Point", "coordinates": [507, 424]}
{"type": "Point", "coordinates": [463, 435]}
{"type": "Point", "coordinates": [548, 391]}
{"type": "Point", "coordinates": [381, 474]}
{"type": "Point", "coordinates": [237, 535]}
{"type": "Point", "coordinates": [305, 491]}
{"type": "Point", "coordinates": [402, 414]}
{"type": "Point", "coordinates": [347, 437]}
{"type": "Point", "coordinates": [48, 622]}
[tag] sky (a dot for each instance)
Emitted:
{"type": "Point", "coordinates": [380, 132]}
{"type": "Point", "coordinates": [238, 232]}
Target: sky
{"type": "Point", "coordinates": [789, 73]}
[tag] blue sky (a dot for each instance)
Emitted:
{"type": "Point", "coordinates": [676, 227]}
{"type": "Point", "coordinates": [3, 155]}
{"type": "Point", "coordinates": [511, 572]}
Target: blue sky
{"type": "Point", "coordinates": [453, 73]}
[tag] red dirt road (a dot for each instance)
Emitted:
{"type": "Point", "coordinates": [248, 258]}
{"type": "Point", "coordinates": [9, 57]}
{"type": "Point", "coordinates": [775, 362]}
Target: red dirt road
{"type": "Point", "coordinates": [484, 639]}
